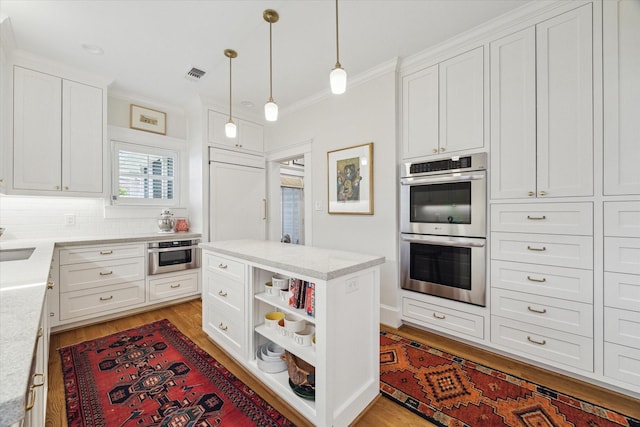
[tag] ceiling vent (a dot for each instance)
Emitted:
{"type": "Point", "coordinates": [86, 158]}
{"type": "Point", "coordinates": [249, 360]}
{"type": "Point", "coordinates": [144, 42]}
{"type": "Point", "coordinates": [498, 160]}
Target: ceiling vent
{"type": "Point", "coordinates": [194, 74]}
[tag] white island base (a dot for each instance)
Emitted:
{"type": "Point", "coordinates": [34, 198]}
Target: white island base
{"type": "Point", "coordinates": [346, 356]}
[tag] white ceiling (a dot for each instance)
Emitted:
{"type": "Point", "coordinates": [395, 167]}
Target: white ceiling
{"type": "Point", "coordinates": [150, 45]}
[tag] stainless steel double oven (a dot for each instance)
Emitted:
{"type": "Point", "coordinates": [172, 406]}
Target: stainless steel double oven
{"type": "Point", "coordinates": [443, 228]}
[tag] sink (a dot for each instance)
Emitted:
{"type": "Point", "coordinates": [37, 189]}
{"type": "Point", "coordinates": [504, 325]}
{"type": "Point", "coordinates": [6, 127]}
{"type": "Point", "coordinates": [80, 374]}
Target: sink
{"type": "Point", "coordinates": [15, 254]}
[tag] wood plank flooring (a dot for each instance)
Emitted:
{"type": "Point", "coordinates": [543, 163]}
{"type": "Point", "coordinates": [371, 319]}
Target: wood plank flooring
{"type": "Point", "coordinates": [381, 413]}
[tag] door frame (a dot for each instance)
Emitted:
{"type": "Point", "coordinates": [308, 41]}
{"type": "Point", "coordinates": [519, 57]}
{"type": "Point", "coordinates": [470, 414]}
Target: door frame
{"type": "Point", "coordinates": [273, 159]}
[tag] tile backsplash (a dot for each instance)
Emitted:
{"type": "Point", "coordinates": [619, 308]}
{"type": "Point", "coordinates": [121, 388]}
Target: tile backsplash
{"type": "Point", "coordinates": [26, 217]}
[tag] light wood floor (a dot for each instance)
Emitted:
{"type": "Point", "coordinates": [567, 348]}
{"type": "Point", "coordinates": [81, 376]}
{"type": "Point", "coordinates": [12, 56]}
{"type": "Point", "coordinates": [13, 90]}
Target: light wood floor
{"type": "Point", "coordinates": [381, 413]}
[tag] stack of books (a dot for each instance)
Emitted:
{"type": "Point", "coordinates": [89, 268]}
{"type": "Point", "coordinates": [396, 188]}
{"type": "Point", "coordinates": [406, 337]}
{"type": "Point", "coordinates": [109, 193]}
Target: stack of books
{"type": "Point", "coordinates": [302, 295]}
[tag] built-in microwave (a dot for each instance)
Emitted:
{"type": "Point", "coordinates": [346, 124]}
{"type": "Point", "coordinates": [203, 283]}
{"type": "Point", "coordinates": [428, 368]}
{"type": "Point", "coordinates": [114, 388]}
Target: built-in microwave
{"type": "Point", "coordinates": [445, 197]}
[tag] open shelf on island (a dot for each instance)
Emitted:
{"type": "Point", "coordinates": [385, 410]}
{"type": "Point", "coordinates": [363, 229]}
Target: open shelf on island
{"type": "Point", "coordinates": [279, 383]}
{"type": "Point", "coordinates": [284, 307]}
{"type": "Point", "coordinates": [306, 353]}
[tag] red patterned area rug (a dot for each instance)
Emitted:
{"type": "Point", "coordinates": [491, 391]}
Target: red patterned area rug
{"type": "Point", "coordinates": [153, 375]}
{"type": "Point", "coordinates": [451, 391]}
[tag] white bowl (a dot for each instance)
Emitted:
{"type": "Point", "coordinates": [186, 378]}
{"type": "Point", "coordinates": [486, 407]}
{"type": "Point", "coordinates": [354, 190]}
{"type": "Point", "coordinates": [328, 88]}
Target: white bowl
{"type": "Point", "coordinates": [280, 282]}
{"type": "Point", "coordinates": [270, 367]}
{"type": "Point", "coordinates": [305, 337]}
{"type": "Point", "coordinates": [274, 349]}
{"type": "Point", "coordinates": [293, 323]}
{"type": "Point", "coordinates": [272, 318]}
{"type": "Point", "coordinates": [265, 356]}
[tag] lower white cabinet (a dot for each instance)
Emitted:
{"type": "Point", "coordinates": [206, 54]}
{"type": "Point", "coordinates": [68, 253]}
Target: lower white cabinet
{"type": "Point", "coordinates": [346, 327]}
{"type": "Point", "coordinates": [443, 318]}
{"type": "Point", "coordinates": [172, 285]}
{"type": "Point", "coordinates": [36, 406]}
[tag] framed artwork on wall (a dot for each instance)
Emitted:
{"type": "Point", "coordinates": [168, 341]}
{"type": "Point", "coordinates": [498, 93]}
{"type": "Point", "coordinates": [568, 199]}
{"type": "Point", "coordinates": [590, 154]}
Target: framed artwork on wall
{"type": "Point", "coordinates": [148, 120]}
{"type": "Point", "coordinates": [350, 180]}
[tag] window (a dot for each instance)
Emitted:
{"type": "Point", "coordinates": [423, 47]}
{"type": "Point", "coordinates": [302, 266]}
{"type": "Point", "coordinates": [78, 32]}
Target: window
{"type": "Point", "coordinates": [144, 175]}
{"type": "Point", "coordinates": [292, 206]}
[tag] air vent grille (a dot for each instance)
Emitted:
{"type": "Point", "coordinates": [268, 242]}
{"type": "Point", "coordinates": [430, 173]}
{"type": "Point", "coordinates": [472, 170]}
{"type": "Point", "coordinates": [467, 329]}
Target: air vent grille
{"type": "Point", "coordinates": [194, 74]}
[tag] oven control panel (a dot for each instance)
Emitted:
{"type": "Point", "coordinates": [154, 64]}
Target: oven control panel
{"type": "Point", "coordinates": [452, 164]}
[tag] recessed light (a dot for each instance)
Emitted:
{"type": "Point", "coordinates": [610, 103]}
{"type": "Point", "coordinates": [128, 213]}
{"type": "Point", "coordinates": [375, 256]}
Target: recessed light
{"type": "Point", "coordinates": [93, 49]}
{"type": "Point", "coordinates": [247, 104]}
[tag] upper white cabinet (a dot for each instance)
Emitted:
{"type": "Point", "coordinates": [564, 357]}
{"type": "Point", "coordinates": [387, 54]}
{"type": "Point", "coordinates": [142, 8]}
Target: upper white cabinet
{"type": "Point", "coordinates": [58, 135]}
{"type": "Point", "coordinates": [443, 106]}
{"type": "Point", "coordinates": [542, 109]}
{"type": "Point", "coordinates": [621, 44]}
{"type": "Point", "coordinates": [250, 135]}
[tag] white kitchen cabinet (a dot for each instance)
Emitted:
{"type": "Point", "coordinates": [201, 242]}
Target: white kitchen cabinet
{"type": "Point", "coordinates": [442, 318]}
{"type": "Point", "coordinates": [621, 68]}
{"type": "Point", "coordinates": [250, 135]}
{"type": "Point", "coordinates": [36, 405]}
{"type": "Point", "coordinates": [443, 107]}
{"type": "Point", "coordinates": [224, 305]}
{"type": "Point", "coordinates": [237, 196]}
{"type": "Point", "coordinates": [58, 135]}
{"type": "Point", "coordinates": [172, 285]}
{"type": "Point", "coordinates": [542, 104]}
{"type": "Point", "coordinates": [346, 321]}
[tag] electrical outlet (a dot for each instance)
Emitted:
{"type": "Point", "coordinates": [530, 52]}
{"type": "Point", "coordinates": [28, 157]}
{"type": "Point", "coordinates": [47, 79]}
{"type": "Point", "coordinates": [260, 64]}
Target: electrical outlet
{"type": "Point", "coordinates": [318, 205]}
{"type": "Point", "coordinates": [352, 285]}
{"type": "Point", "coordinates": [70, 219]}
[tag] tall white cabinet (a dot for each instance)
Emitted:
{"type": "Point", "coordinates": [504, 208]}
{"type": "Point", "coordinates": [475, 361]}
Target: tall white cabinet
{"type": "Point", "coordinates": [443, 106]}
{"type": "Point", "coordinates": [542, 109]}
{"type": "Point", "coordinates": [58, 135]}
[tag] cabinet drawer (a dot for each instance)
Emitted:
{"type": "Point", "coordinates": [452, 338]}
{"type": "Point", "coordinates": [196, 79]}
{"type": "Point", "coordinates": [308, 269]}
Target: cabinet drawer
{"type": "Point", "coordinates": [80, 254]}
{"type": "Point", "coordinates": [622, 327]}
{"type": "Point", "coordinates": [561, 251]}
{"type": "Point", "coordinates": [96, 274]}
{"type": "Point", "coordinates": [622, 291]}
{"type": "Point", "coordinates": [225, 325]}
{"type": "Point", "coordinates": [622, 255]}
{"type": "Point", "coordinates": [169, 287]}
{"type": "Point", "coordinates": [566, 316]}
{"type": "Point", "coordinates": [535, 341]}
{"type": "Point", "coordinates": [622, 219]}
{"type": "Point", "coordinates": [223, 290]}
{"type": "Point", "coordinates": [622, 363]}
{"type": "Point", "coordinates": [550, 218]}
{"type": "Point", "coordinates": [443, 318]}
{"type": "Point", "coordinates": [224, 266]}
{"type": "Point", "coordinates": [557, 282]}
{"type": "Point", "coordinates": [92, 302]}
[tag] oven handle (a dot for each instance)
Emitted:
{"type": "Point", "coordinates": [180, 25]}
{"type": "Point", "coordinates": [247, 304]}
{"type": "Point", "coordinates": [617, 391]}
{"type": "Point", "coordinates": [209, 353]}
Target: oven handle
{"type": "Point", "coordinates": [177, 248]}
{"type": "Point", "coordinates": [433, 240]}
{"type": "Point", "coordinates": [441, 178]}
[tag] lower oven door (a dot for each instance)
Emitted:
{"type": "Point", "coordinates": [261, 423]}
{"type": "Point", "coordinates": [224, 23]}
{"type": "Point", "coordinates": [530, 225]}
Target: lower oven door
{"type": "Point", "coordinates": [443, 266]}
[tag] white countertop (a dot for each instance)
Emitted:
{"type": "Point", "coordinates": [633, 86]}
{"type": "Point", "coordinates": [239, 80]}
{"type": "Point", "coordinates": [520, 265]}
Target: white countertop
{"type": "Point", "coordinates": [23, 286]}
{"type": "Point", "coordinates": [318, 263]}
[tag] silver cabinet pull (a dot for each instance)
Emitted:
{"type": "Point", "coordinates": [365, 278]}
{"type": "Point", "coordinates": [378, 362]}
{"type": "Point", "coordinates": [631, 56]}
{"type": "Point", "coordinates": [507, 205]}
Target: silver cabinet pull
{"type": "Point", "coordinates": [106, 273]}
{"type": "Point", "coordinates": [542, 249]}
{"type": "Point", "coordinates": [50, 285]}
{"type": "Point", "coordinates": [435, 150]}
{"type": "Point", "coordinates": [222, 293]}
{"type": "Point", "coordinates": [264, 208]}
{"type": "Point", "coordinates": [442, 149]}
{"type": "Point", "coordinates": [222, 327]}
{"type": "Point", "coordinates": [223, 266]}
{"type": "Point", "coordinates": [536, 218]}
{"type": "Point", "coordinates": [531, 193]}
{"type": "Point", "coordinates": [535, 310]}
{"type": "Point", "coordinates": [543, 193]}
{"type": "Point", "coordinates": [176, 286]}
{"type": "Point", "coordinates": [31, 400]}
{"type": "Point", "coordinates": [543, 342]}
{"type": "Point", "coordinates": [439, 316]}
{"type": "Point", "coordinates": [536, 280]}
{"type": "Point", "coordinates": [106, 299]}
{"type": "Point", "coordinates": [106, 252]}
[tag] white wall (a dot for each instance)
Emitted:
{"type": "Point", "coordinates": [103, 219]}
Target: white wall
{"type": "Point", "coordinates": [365, 113]}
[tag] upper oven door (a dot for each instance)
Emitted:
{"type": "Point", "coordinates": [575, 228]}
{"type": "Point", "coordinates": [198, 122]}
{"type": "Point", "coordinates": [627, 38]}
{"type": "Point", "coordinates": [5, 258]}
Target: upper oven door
{"type": "Point", "coordinates": [449, 204]}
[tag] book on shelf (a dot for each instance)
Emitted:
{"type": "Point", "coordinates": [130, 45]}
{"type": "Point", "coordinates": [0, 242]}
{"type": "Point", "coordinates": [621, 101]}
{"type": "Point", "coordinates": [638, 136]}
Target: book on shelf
{"type": "Point", "coordinates": [302, 296]}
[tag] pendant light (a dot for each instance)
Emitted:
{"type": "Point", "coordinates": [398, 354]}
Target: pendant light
{"type": "Point", "coordinates": [270, 108]}
{"type": "Point", "coordinates": [338, 76]}
{"type": "Point", "coordinates": [230, 129]}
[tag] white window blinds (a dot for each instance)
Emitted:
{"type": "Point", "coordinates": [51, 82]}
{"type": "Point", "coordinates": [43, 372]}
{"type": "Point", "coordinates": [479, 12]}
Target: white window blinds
{"type": "Point", "coordinates": [144, 175]}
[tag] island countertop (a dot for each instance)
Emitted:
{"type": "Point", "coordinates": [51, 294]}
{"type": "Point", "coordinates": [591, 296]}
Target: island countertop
{"type": "Point", "coordinates": [319, 263]}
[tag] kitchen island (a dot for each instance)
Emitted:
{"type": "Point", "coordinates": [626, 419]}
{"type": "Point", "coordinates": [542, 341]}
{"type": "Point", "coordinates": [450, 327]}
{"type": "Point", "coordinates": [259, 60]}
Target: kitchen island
{"type": "Point", "coordinates": [345, 319]}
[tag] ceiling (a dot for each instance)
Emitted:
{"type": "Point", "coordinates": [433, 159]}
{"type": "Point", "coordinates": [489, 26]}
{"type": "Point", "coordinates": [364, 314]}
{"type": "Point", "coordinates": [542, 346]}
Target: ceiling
{"type": "Point", "coordinates": [150, 45]}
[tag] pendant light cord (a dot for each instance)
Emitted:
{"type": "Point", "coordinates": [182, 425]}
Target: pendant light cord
{"type": "Point", "coordinates": [337, 39]}
{"type": "Point", "coordinates": [229, 88]}
{"type": "Point", "coordinates": [270, 64]}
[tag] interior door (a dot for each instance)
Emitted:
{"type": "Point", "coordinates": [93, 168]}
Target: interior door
{"type": "Point", "coordinates": [237, 202]}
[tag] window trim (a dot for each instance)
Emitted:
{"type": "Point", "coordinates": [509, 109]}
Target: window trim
{"type": "Point", "coordinates": [116, 146]}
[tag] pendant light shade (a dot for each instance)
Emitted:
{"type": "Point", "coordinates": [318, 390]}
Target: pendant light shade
{"type": "Point", "coordinates": [270, 108]}
{"type": "Point", "coordinates": [230, 129]}
{"type": "Point", "coordinates": [338, 76]}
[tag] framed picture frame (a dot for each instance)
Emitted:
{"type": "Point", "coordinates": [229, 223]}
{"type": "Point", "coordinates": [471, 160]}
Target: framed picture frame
{"type": "Point", "coordinates": [350, 180]}
{"type": "Point", "coordinates": [148, 120]}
